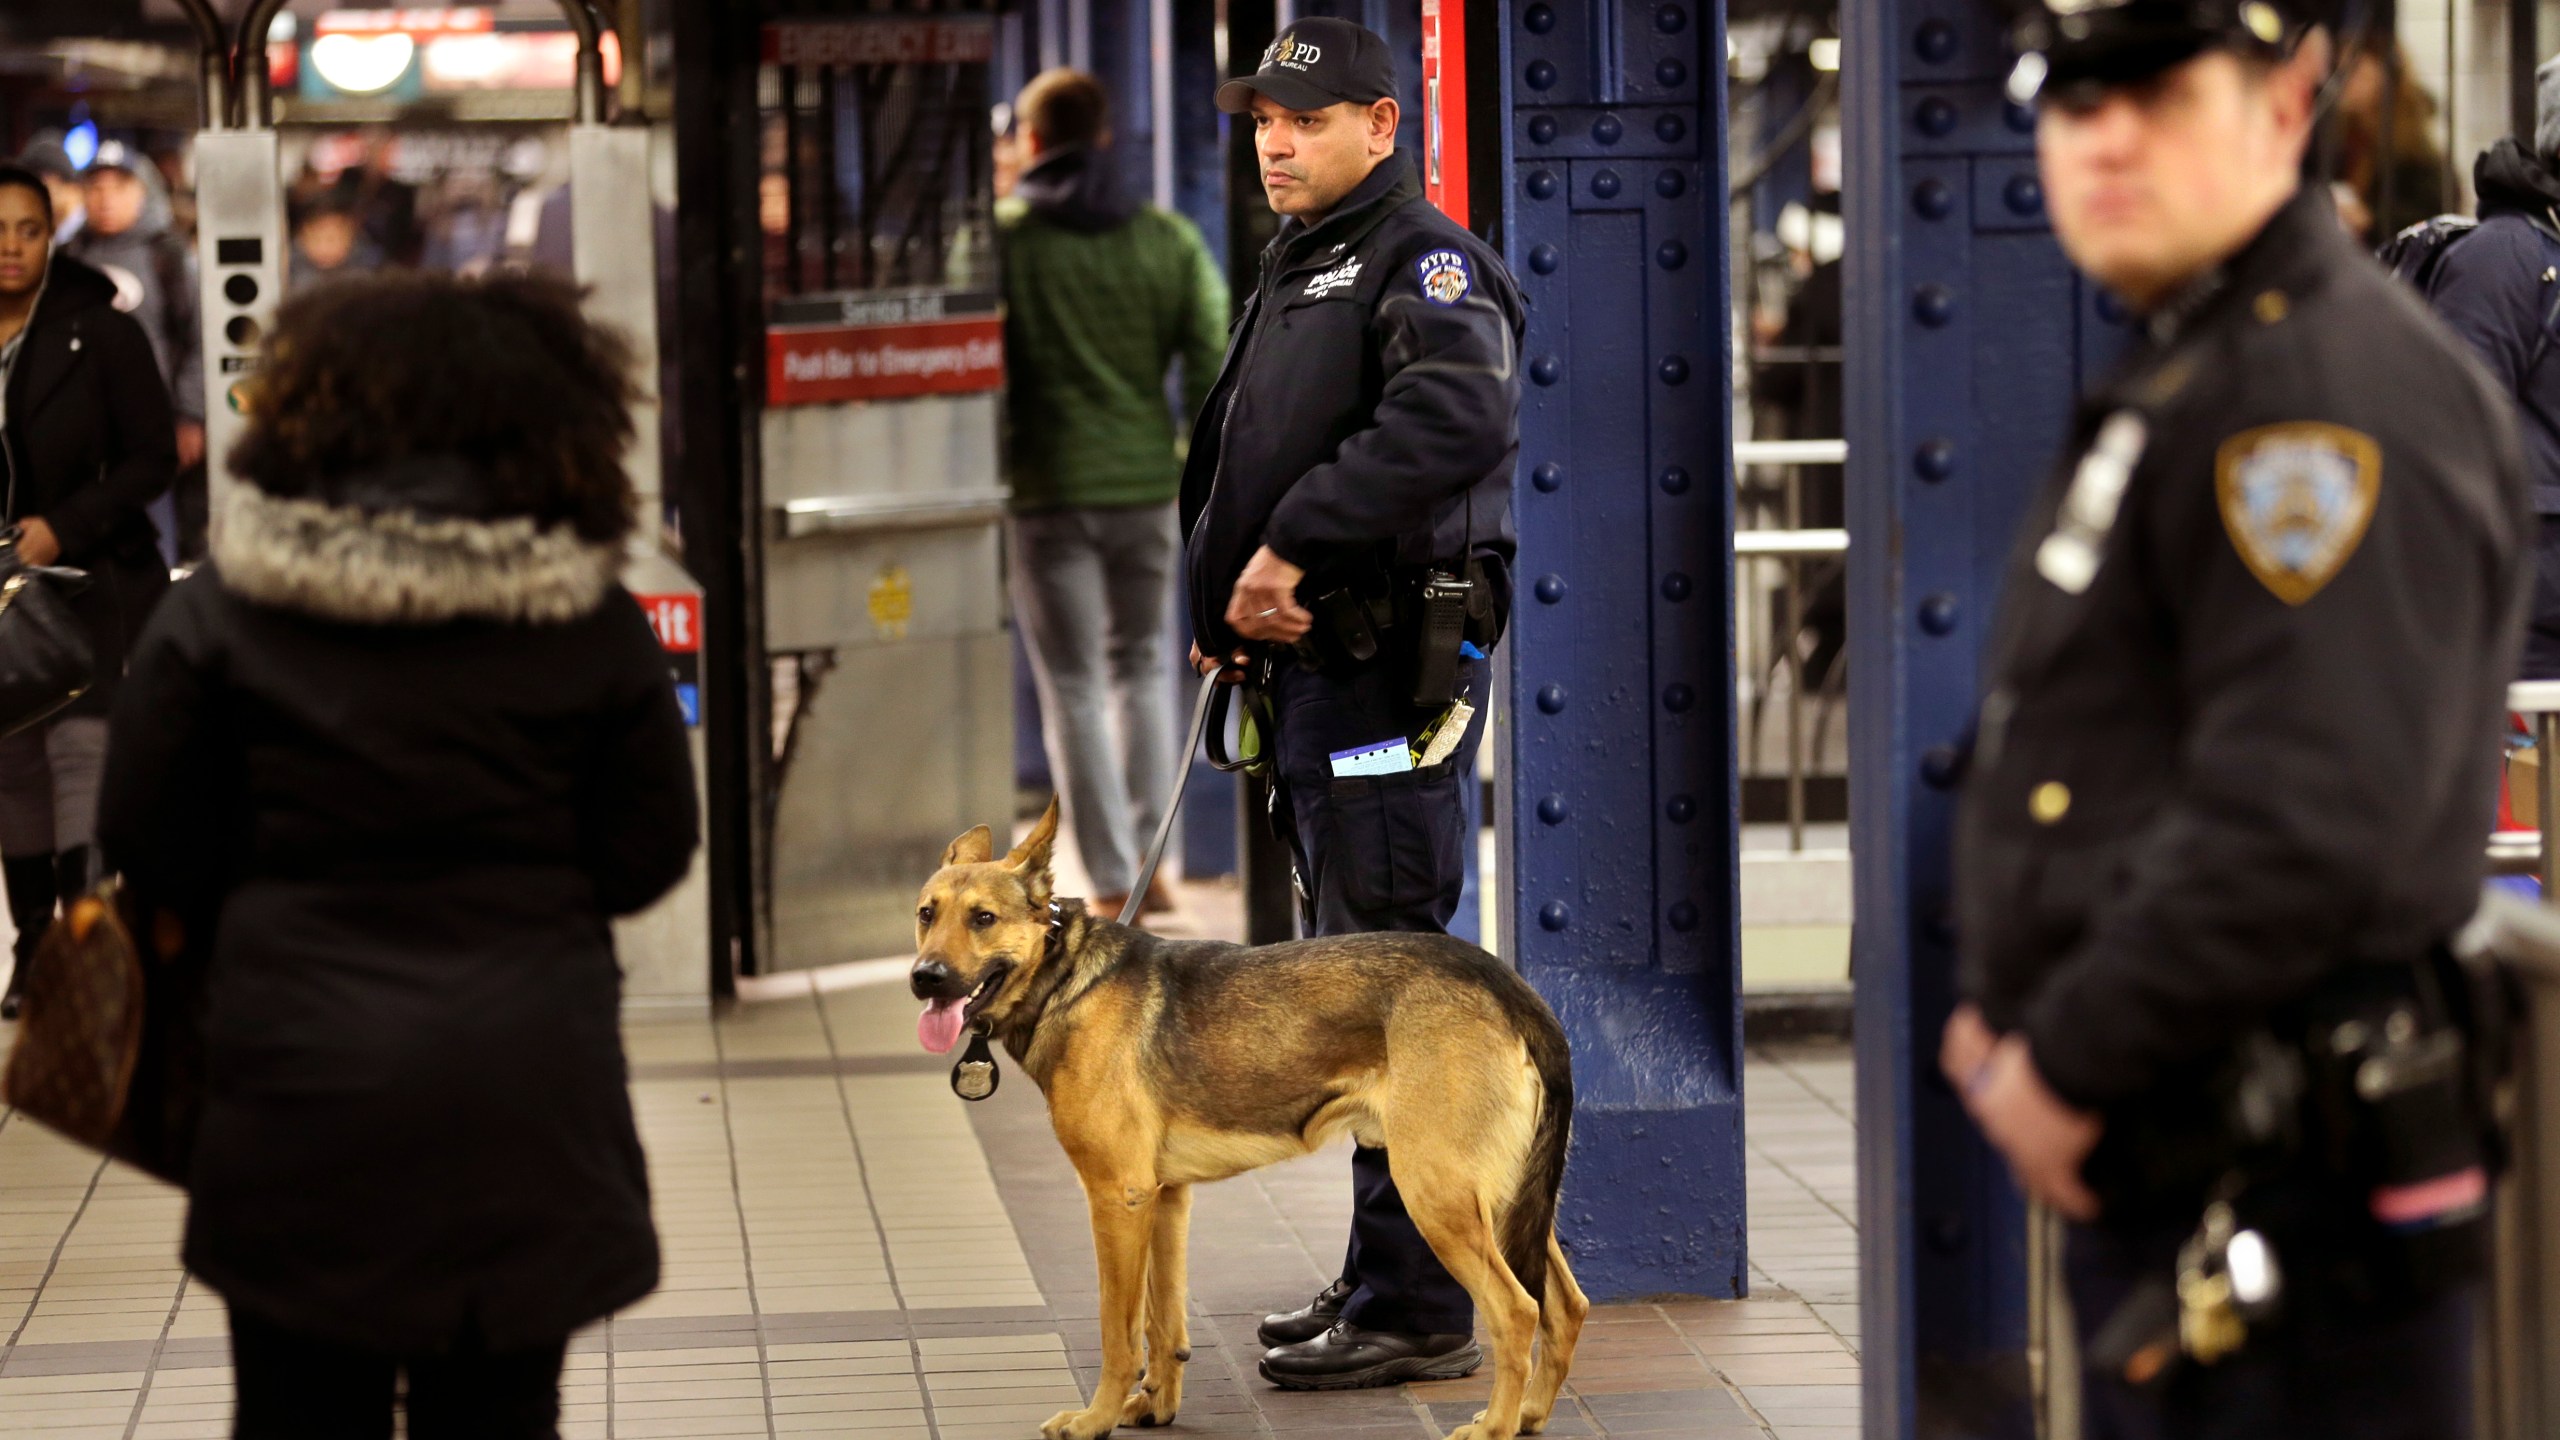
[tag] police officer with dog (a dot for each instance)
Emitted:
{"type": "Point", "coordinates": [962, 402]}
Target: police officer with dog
{"type": "Point", "coordinates": [1347, 503]}
{"type": "Point", "coordinates": [2235, 758]}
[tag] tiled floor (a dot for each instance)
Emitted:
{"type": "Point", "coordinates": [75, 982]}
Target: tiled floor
{"type": "Point", "coordinates": [851, 1251]}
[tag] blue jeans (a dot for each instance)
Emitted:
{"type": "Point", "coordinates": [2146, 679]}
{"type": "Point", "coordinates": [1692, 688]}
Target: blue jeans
{"type": "Point", "coordinates": [1093, 591]}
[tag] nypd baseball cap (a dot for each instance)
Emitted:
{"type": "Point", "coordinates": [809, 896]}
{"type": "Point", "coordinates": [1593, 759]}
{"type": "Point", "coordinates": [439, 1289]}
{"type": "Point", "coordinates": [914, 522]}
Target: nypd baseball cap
{"type": "Point", "coordinates": [2089, 45]}
{"type": "Point", "coordinates": [1313, 64]}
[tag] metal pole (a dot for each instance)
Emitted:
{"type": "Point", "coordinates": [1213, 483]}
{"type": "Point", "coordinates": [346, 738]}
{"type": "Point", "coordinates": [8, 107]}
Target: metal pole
{"type": "Point", "coordinates": [2386, 20]}
{"type": "Point", "coordinates": [1791, 635]}
{"type": "Point", "coordinates": [2546, 736]}
{"type": "Point", "coordinates": [251, 103]}
{"type": "Point", "coordinates": [631, 87]}
{"type": "Point", "coordinates": [213, 65]}
{"type": "Point", "coordinates": [2524, 48]}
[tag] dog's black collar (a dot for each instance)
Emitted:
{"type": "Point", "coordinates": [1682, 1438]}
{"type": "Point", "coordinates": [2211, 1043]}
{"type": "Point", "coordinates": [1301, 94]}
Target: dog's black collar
{"type": "Point", "coordinates": [974, 1076]}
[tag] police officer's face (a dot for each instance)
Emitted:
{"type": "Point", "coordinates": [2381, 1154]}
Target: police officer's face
{"type": "Point", "coordinates": [26, 237]}
{"type": "Point", "coordinates": [1311, 159]}
{"type": "Point", "coordinates": [2151, 184]}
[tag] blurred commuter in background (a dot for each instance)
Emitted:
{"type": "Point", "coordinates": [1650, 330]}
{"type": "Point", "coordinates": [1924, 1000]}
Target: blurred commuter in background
{"type": "Point", "coordinates": [48, 159]}
{"type": "Point", "coordinates": [402, 749]}
{"type": "Point", "coordinates": [130, 237]}
{"type": "Point", "coordinates": [2420, 183]}
{"type": "Point", "coordinates": [85, 445]}
{"type": "Point", "coordinates": [2495, 287]}
{"type": "Point", "coordinates": [329, 242]}
{"type": "Point", "coordinates": [1102, 296]}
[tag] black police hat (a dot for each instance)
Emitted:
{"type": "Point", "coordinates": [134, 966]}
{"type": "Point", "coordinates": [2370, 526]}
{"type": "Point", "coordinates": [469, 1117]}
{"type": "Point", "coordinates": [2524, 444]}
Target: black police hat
{"type": "Point", "coordinates": [2082, 44]}
{"type": "Point", "coordinates": [1316, 63]}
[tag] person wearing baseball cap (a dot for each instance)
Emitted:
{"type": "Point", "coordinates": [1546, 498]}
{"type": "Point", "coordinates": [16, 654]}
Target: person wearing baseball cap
{"type": "Point", "coordinates": [1347, 501]}
{"type": "Point", "coordinates": [132, 236]}
{"type": "Point", "coordinates": [1317, 64]}
{"type": "Point", "coordinates": [2239, 738]}
{"type": "Point", "coordinates": [2070, 48]}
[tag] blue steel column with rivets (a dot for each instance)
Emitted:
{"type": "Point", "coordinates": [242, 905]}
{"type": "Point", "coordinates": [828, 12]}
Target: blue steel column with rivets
{"type": "Point", "coordinates": [1621, 846]}
{"type": "Point", "coordinates": [1967, 334]}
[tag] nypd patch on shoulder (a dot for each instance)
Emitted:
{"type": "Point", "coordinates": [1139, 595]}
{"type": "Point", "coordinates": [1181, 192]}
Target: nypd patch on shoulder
{"type": "Point", "coordinates": [2296, 499]}
{"type": "Point", "coordinates": [1444, 276]}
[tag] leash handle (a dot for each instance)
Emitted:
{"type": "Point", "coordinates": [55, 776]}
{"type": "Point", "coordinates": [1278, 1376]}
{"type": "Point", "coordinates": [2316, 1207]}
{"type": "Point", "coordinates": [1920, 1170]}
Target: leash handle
{"type": "Point", "coordinates": [1173, 806]}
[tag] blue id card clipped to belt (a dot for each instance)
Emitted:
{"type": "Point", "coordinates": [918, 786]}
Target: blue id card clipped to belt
{"type": "Point", "coordinates": [1387, 757]}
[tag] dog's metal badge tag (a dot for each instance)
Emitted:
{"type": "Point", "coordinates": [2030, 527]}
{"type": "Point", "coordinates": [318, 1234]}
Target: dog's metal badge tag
{"type": "Point", "coordinates": [973, 1076]}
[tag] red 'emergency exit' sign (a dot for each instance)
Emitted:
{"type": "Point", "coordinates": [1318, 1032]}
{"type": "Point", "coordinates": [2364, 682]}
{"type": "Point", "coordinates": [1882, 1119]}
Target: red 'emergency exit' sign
{"type": "Point", "coordinates": [677, 619]}
{"type": "Point", "coordinates": [815, 364]}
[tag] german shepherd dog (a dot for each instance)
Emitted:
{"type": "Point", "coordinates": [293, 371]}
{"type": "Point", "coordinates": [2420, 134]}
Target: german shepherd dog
{"type": "Point", "coordinates": [1170, 1063]}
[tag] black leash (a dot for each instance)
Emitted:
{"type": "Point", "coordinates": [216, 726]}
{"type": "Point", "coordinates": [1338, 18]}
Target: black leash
{"type": "Point", "coordinates": [1173, 806]}
{"type": "Point", "coordinates": [974, 1074]}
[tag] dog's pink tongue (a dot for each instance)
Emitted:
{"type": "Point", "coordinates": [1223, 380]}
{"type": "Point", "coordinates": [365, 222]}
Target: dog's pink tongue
{"type": "Point", "coordinates": [938, 1028]}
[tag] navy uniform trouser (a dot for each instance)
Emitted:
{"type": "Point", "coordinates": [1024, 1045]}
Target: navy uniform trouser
{"type": "Point", "coordinates": [1380, 853]}
{"type": "Point", "coordinates": [2335, 1371]}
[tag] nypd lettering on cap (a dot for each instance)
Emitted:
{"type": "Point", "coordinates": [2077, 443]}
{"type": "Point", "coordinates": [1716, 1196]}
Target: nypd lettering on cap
{"type": "Point", "coordinates": [1444, 276]}
{"type": "Point", "coordinates": [1290, 53]}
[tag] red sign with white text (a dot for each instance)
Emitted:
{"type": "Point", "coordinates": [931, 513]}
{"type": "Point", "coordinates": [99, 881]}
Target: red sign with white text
{"type": "Point", "coordinates": [677, 619]}
{"type": "Point", "coordinates": [816, 364]}
{"type": "Point", "coordinates": [880, 42]}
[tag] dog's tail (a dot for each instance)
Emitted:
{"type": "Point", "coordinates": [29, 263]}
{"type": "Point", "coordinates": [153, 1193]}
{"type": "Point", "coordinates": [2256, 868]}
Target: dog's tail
{"type": "Point", "coordinates": [1530, 1219]}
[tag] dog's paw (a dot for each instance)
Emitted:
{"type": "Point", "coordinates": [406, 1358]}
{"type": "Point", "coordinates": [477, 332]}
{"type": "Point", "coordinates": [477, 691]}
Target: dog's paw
{"type": "Point", "coordinates": [1532, 1422]}
{"type": "Point", "coordinates": [1075, 1425]}
{"type": "Point", "coordinates": [1147, 1410]}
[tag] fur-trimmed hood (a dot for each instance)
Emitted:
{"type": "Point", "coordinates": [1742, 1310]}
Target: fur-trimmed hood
{"type": "Point", "coordinates": [362, 565]}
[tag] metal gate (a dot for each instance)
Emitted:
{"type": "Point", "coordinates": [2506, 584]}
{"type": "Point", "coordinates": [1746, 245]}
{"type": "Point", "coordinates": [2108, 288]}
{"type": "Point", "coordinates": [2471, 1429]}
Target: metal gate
{"type": "Point", "coordinates": [875, 501]}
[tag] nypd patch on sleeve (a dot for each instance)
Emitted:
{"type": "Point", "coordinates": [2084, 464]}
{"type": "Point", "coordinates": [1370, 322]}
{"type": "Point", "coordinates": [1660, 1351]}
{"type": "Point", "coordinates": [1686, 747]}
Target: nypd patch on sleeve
{"type": "Point", "coordinates": [2296, 499]}
{"type": "Point", "coordinates": [1444, 276]}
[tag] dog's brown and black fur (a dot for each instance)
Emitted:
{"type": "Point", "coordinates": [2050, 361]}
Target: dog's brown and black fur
{"type": "Point", "coordinates": [1169, 1063]}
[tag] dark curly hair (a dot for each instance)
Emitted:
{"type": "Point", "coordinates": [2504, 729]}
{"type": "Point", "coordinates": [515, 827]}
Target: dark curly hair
{"type": "Point", "coordinates": [505, 373]}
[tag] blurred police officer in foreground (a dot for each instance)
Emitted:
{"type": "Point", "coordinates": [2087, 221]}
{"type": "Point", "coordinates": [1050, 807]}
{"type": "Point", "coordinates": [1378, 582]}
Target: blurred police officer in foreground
{"type": "Point", "coordinates": [1347, 501]}
{"type": "Point", "coordinates": [2235, 762]}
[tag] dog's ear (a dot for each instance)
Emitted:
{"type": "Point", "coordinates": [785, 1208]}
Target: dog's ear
{"type": "Point", "coordinates": [975, 848]}
{"type": "Point", "coordinates": [1031, 857]}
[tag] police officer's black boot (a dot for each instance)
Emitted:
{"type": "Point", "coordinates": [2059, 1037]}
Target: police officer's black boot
{"type": "Point", "coordinates": [1292, 1326]}
{"type": "Point", "coordinates": [32, 891]}
{"type": "Point", "coordinates": [1347, 1357]}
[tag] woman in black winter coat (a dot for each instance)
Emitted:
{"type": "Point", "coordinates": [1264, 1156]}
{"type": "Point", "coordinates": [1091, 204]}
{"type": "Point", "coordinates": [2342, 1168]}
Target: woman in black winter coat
{"type": "Point", "coordinates": [405, 746]}
{"type": "Point", "coordinates": [86, 442]}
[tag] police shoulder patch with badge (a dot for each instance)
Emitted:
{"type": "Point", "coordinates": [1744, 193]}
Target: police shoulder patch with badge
{"type": "Point", "coordinates": [2296, 499]}
{"type": "Point", "coordinates": [1444, 276]}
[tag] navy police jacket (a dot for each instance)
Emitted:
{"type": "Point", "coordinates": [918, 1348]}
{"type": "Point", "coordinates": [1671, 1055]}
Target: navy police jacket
{"type": "Point", "coordinates": [1367, 414]}
{"type": "Point", "coordinates": [2244, 698]}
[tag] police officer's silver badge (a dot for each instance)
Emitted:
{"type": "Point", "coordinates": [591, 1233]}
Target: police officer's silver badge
{"type": "Point", "coordinates": [1444, 277]}
{"type": "Point", "coordinates": [2296, 499]}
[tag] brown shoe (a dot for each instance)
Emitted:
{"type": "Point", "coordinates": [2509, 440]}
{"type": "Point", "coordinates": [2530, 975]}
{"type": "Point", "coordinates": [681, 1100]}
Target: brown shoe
{"type": "Point", "coordinates": [1159, 898]}
{"type": "Point", "coordinates": [1108, 906]}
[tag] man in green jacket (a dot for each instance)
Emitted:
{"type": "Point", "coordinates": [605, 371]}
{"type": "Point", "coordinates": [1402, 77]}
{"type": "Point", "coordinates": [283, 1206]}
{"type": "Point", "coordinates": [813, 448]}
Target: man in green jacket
{"type": "Point", "coordinates": [1102, 295]}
